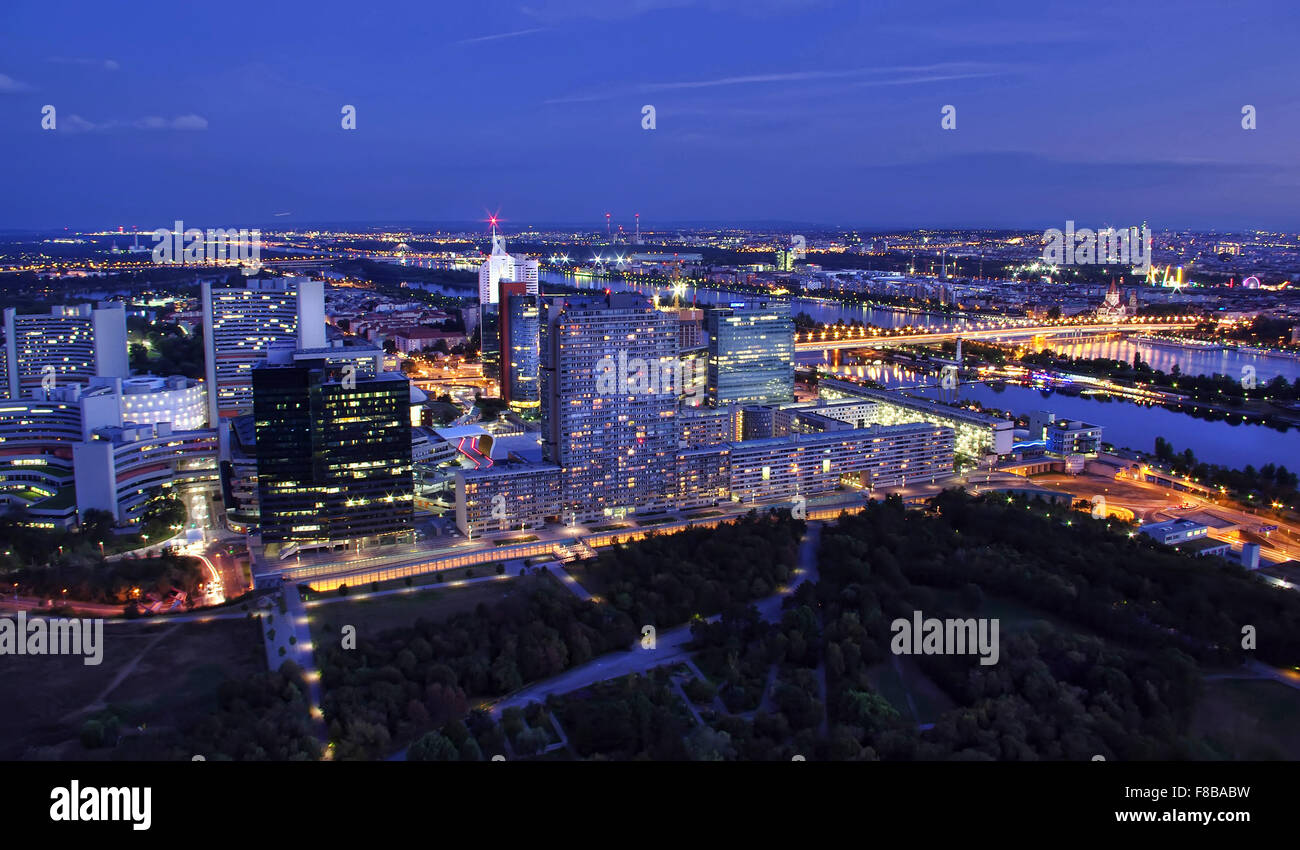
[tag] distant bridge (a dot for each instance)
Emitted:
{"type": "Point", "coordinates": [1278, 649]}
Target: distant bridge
{"type": "Point", "coordinates": [878, 338]}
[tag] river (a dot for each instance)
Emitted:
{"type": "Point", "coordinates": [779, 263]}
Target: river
{"type": "Point", "coordinates": [1127, 424]}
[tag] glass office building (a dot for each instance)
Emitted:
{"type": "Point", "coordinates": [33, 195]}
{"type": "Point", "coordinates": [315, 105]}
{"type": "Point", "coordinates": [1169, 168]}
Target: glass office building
{"type": "Point", "coordinates": [521, 355]}
{"type": "Point", "coordinates": [751, 353]}
{"type": "Point", "coordinates": [333, 454]}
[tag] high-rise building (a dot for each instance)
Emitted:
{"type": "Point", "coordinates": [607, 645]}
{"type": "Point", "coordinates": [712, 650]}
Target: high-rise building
{"type": "Point", "coordinates": [68, 345]}
{"type": "Point", "coordinates": [498, 267]}
{"type": "Point", "coordinates": [333, 454]}
{"type": "Point", "coordinates": [242, 323]}
{"type": "Point", "coordinates": [520, 351]}
{"type": "Point", "coordinates": [751, 353]}
{"type": "Point", "coordinates": [608, 421]}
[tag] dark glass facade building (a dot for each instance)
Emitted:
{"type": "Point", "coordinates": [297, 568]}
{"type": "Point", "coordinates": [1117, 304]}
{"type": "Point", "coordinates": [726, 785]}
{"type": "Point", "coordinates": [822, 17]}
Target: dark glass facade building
{"type": "Point", "coordinates": [333, 454]}
{"type": "Point", "coordinates": [520, 353]}
{"type": "Point", "coordinates": [751, 354]}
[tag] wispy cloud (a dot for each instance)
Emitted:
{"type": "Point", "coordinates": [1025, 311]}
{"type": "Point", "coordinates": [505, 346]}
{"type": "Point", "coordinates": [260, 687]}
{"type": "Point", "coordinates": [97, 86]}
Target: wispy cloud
{"type": "Point", "coordinates": [106, 64]}
{"type": "Point", "coordinates": [8, 85]}
{"type": "Point", "coordinates": [499, 35]}
{"type": "Point", "coordinates": [942, 78]}
{"type": "Point", "coordinates": [895, 75]}
{"type": "Point", "coordinates": [604, 10]}
{"type": "Point", "coordinates": [999, 33]}
{"type": "Point", "coordinates": [77, 124]}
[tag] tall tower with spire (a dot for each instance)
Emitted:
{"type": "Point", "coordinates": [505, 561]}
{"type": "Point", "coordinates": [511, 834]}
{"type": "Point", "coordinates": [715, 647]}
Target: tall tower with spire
{"type": "Point", "coordinates": [500, 266]}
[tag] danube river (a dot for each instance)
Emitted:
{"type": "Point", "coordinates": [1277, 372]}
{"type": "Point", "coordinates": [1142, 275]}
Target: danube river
{"type": "Point", "coordinates": [1126, 424]}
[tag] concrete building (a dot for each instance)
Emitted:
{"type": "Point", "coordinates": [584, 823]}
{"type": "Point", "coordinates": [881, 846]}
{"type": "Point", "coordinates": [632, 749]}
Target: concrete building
{"type": "Point", "coordinates": [68, 345]}
{"type": "Point", "coordinates": [242, 323]}
{"type": "Point", "coordinates": [703, 477]}
{"type": "Point", "coordinates": [1067, 437]}
{"type": "Point", "coordinates": [815, 464]}
{"type": "Point", "coordinates": [708, 427]}
{"type": "Point", "coordinates": [121, 469]}
{"type": "Point", "coordinates": [149, 399]}
{"type": "Point", "coordinates": [1175, 531]}
{"type": "Point", "coordinates": [978, 435]}
{"type": "Point", "coordinates": [520, 349]}
{"type": "Point", "coordinates": [507, 497]}
{"type": "Point", "coordinates": [613, 436]}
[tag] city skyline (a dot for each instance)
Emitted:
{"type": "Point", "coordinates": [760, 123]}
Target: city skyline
{"type": "Point", "coordinates": [652, 381]}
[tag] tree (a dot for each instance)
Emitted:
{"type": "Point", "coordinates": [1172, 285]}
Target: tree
{"type": "Point", "coordinates": [531, 741]}
{"type": "Point", "coordinates": [704, 743]}
{"type": "Point", "coordinates": [432, 746]}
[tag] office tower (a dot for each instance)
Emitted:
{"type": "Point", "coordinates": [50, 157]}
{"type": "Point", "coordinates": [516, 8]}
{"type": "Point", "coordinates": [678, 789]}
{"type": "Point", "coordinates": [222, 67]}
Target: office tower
{"type": "Point", "coordinates": [520, 352]}
{"type": "Point", "coordinates": [241, 323]}
{"type": "Point", "coordinates": [609, 417]}
{"type": "Point", "coordinates": [751, 353]}
{"type": "Point", "coordinates": [68, 345]}
{"type": "Point", "coordinates": [499, 266]}
{"type": "Point", "coordinates": [693, 356]}
{"type": "Point", "coordinates": [333, 454]}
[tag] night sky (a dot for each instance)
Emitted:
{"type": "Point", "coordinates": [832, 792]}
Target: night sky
{"type": "Point", "coordinates": [228, 115]}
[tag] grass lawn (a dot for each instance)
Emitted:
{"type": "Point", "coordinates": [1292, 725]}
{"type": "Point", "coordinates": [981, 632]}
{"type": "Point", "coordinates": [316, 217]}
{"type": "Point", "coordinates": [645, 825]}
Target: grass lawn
{"type": "Point", "coordinates": [172, 685]}
{"type": "Point", "coordinates": [401, 609]}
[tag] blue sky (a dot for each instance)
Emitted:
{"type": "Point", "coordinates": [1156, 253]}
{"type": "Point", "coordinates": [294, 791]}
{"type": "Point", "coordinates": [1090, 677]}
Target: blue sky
{"type": "Point", "coordinates": [809, 111]}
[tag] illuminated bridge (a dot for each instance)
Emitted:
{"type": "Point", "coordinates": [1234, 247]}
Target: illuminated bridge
{"type": "Point", "coordinates": [885, 337]}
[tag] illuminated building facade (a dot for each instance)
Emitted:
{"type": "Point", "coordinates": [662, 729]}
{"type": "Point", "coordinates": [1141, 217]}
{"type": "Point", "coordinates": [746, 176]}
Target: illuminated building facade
{"type": "Point", "coordinates": [333, 455]}
{"type": "Point", "coordinates": [507, 498]}
{"type": "Point", "coordinates": [68, 345]}
{"type": "Point", "coordinates": [520, 352]}
{"type": "Point", "coordinates": [615, 445]}
{"type": "Point", "coordinates": [242, 323]}
{"type": "Point", "coordinates": [978, 435]}
{"type": "Point", "coordinates": [499, 267]}
{"type": "Point", "coordinates": [120, 469]}
{"type": "Point", "coordinates": [751, 353]}
{"type": "Point", "coordinates": [147, 399]}
{"type": "Point", "coordinates": [816, 464]}
{"type": "Point", "coordinates": [36, 444]}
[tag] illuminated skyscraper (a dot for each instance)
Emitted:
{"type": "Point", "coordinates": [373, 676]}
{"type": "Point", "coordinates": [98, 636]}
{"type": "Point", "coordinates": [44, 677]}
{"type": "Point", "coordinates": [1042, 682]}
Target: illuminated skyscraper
{"type": "Point", "coordinates": [520, 353]}
{"type": "Point", "coordinates": [68, 345]}
{"type": "Point", "coordinates": [333, 454]}
{"type": "Point", "coordinates": [498, 267]}
{"type": "Point", "coordinates": [610, 428]}
{"type": "Point", "coordinates": [751, 353]}
{"type": "Point", "coordinates": [241, 323]}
